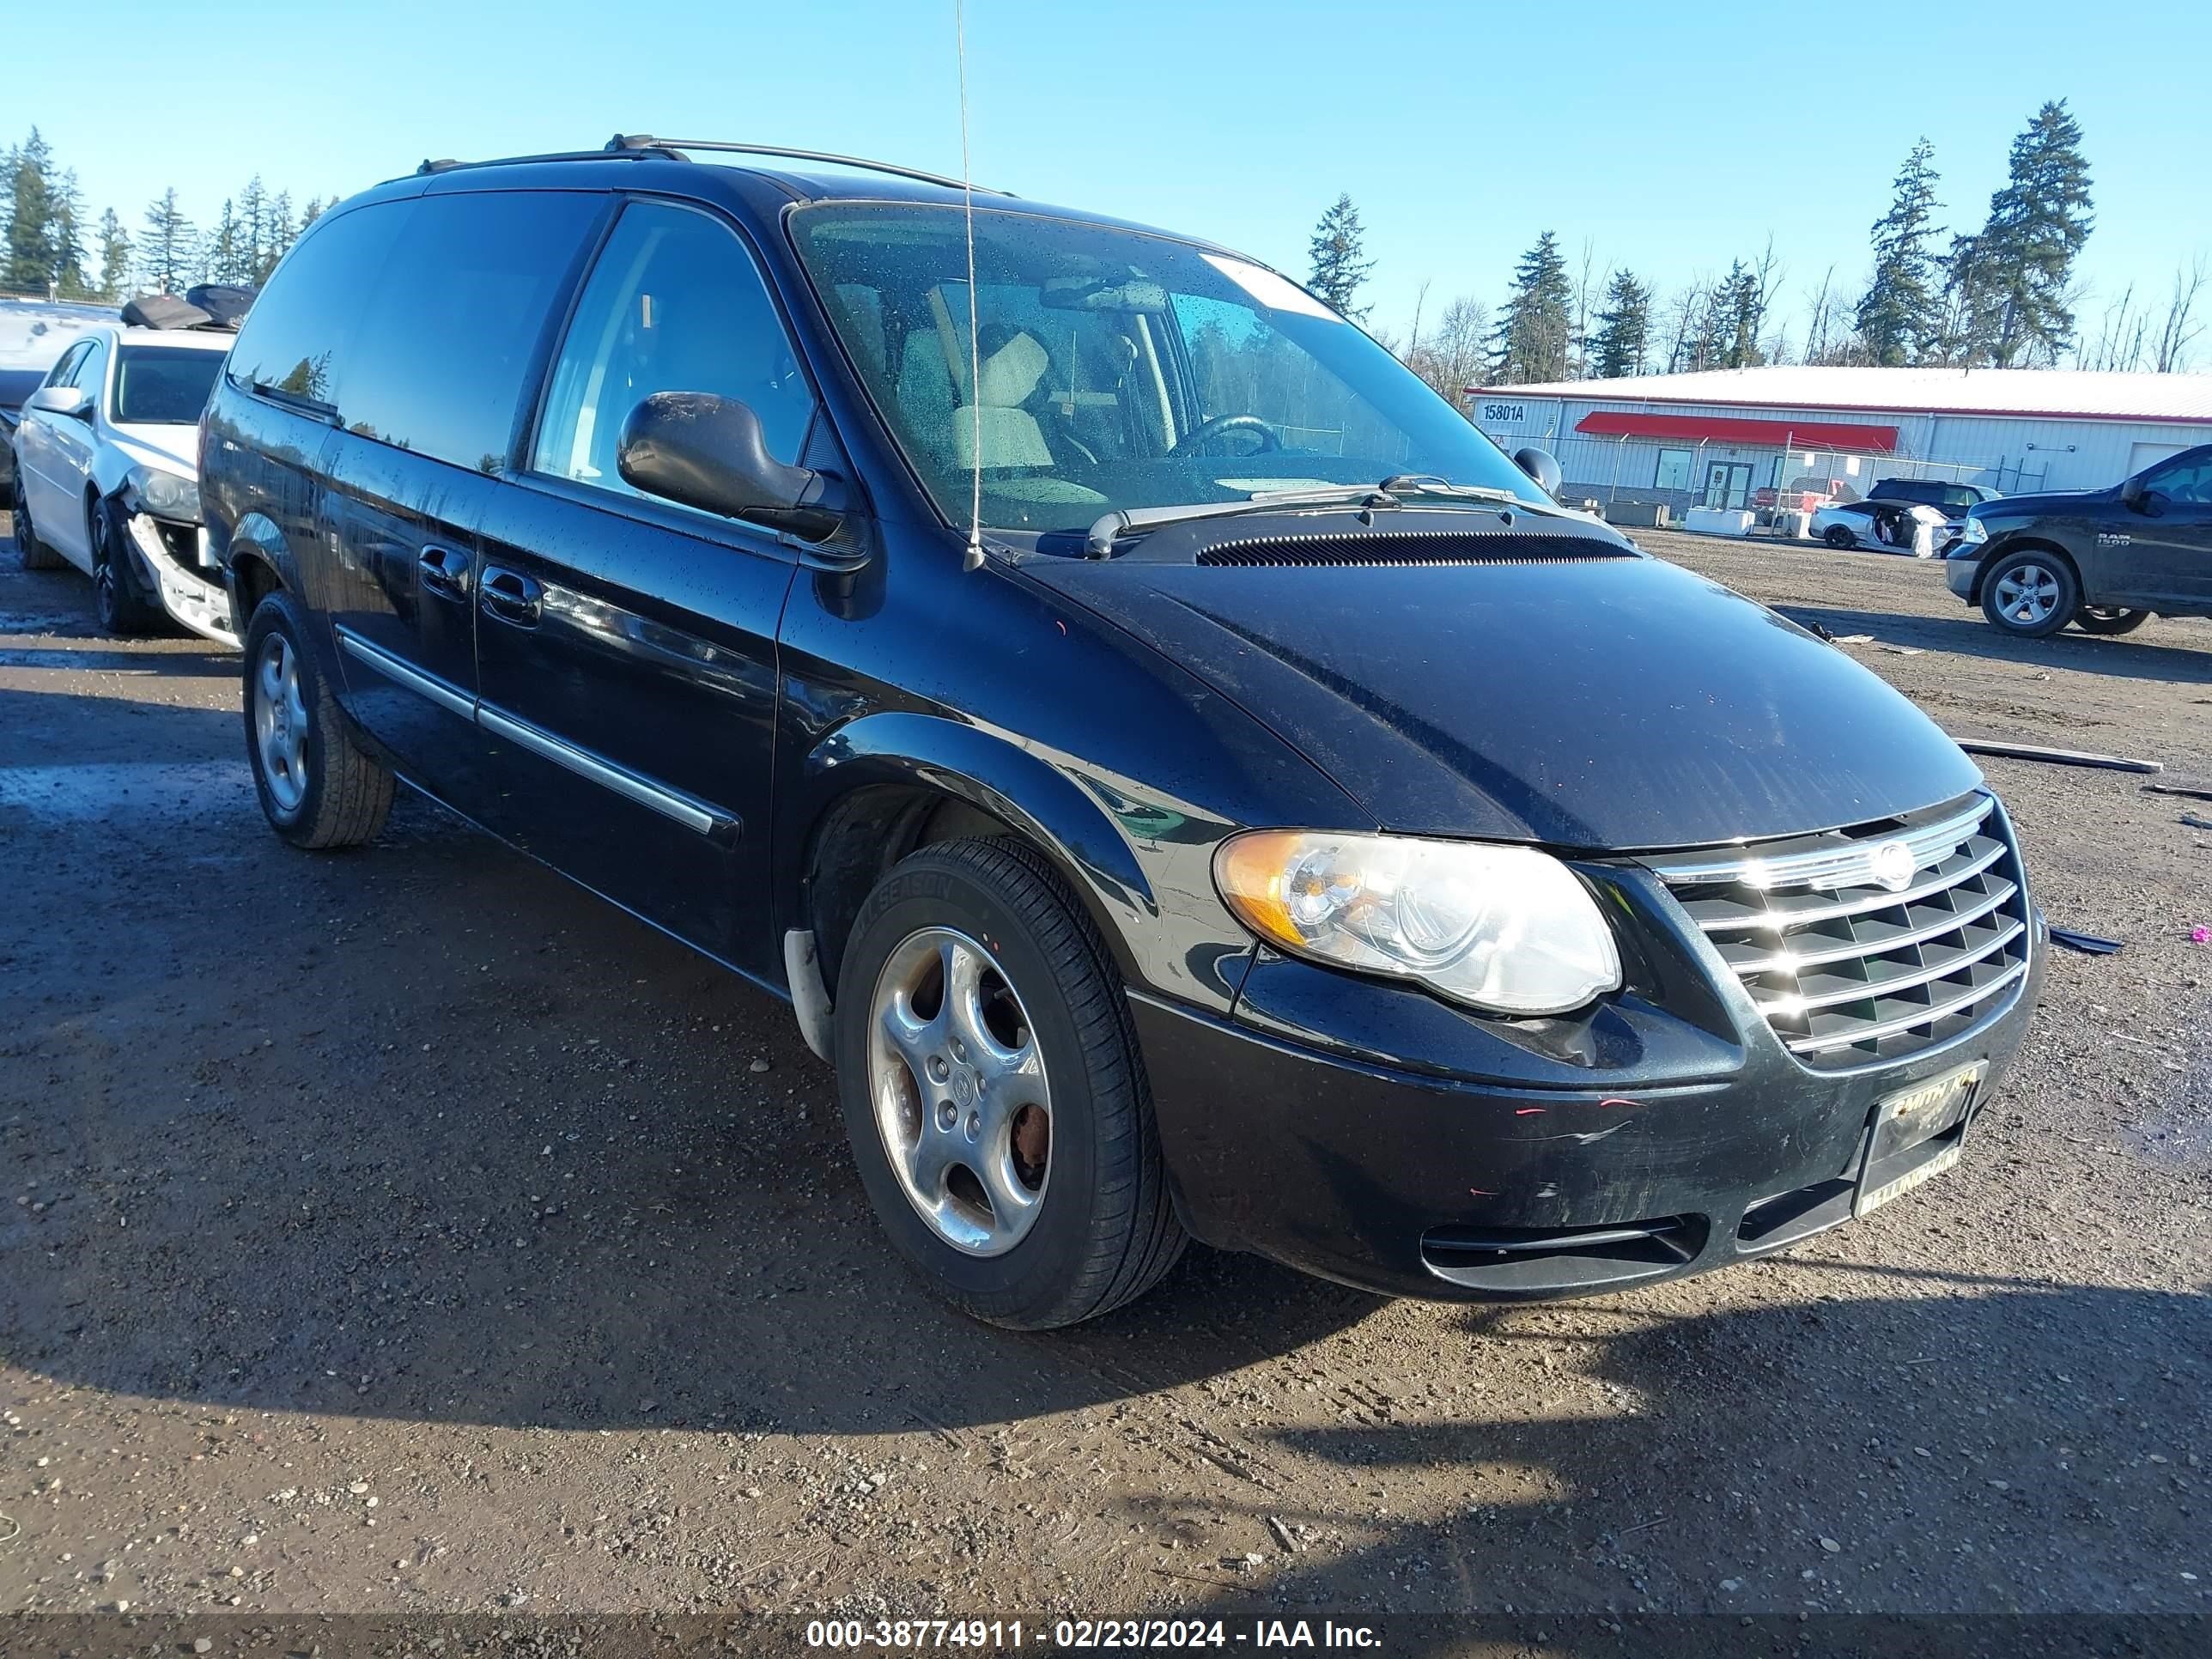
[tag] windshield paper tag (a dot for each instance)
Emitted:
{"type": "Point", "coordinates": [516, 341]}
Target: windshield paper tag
{"type": "Point", "coordinates": [1269, 289]}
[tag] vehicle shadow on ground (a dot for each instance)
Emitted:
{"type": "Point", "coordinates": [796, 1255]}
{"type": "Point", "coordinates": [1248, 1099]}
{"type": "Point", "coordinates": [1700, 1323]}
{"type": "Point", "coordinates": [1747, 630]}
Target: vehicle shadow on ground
{"type": "Point", "coordinates": [500, 1158]}
{"type": "Point", "coordinates": [1969, 636]}
{"type": "Point", "coordinates": [2031, 1451]}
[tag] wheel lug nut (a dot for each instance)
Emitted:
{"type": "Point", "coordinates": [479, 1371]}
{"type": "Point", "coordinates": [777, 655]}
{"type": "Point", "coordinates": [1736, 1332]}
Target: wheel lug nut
{"type": "Point", "coordinates": [937, 1068]}
{"type": "Point", "coordinates": [947, 1114]}
{"type": "Point", "coordinates": [974, 1125]}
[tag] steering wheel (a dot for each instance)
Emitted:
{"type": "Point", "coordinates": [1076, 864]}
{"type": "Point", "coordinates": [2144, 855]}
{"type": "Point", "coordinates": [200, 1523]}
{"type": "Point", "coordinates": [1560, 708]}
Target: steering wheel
{"type": "Point", "coordinates": [1207, 431]}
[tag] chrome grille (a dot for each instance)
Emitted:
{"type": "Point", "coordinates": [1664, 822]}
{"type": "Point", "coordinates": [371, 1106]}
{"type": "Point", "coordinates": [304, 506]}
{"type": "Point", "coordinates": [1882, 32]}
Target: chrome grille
{"type": "Point", "coordinates": [1869, 944]}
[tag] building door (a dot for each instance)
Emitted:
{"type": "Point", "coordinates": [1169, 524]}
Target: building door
{"type": "Point", "coordinates": [1727, 483]}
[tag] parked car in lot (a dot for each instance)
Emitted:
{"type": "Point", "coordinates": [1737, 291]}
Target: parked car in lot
{"type": "Point", "coordinates": [1891, 526]}
{"type": "Point", "coordinates": [105, 464]}
{"type": "Point", "coordinates": [2104, 560]}
{"type": "Point", "coordinates": [33, 333]}
{"type": "Point", "coordinates": [1182, 775]}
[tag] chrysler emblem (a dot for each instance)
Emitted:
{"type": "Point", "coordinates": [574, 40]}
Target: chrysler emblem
{"type": "Point", "coordinates": [1892, 864]}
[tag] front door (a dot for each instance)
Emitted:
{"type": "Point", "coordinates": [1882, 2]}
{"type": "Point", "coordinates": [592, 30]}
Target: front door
{"type": "Point", "coordinates": [54, 455]}
{"type": "Point", "coordinates": [1727, 483]}
{"type": "Point", "coordinates": [2167, 558]}
{"type": "Point", "coordinates": [625, 646]}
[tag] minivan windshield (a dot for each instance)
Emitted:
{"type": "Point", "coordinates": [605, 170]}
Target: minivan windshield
{"type": "Point", "coordinates": [163, 386]}
{"type": "Point", "coordinates": [1114, 369]}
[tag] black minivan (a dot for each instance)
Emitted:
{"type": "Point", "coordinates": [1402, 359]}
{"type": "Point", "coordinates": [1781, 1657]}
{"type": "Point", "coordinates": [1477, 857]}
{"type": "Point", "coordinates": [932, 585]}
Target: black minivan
{"type": "Point", "coordinates": [1186, 778]}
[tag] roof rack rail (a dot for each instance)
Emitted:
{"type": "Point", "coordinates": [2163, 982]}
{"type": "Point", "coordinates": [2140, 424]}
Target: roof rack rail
{"type": "Point", "coordinates": [633, 144]}
{"type": "Point", "coordinates": [447, 164]}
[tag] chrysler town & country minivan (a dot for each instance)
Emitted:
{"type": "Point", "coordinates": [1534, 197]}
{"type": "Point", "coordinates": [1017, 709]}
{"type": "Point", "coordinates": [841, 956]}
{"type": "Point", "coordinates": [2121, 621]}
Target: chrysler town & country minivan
{"type": "Point", "coordinates": [1187, 779]}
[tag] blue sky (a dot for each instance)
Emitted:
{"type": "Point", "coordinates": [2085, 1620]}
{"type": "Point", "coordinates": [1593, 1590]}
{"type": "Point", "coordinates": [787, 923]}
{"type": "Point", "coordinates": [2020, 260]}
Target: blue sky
{"type": "Point", "coordinates": [1670, 138]}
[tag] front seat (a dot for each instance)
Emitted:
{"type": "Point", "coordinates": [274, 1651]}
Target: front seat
{"type": "Point", "coordinates": [1006, 379]}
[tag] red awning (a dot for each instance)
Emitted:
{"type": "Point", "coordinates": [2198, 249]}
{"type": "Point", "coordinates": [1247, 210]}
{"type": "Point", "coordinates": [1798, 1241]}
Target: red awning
{"type": "Point", "coordinates": [1848, 438]}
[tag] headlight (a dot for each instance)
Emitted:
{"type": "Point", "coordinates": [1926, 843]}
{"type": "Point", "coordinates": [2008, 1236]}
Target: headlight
{"type": "Point", "coordinates": [1976, 531]}
{"type": "Point", "coordinates": [165, 495]}
{"type": "Point", "coordinates": [1503, 928]}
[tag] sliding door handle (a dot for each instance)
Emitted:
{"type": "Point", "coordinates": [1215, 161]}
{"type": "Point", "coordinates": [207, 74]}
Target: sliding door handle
{"type": "Point", "coordinates": [512, 597]}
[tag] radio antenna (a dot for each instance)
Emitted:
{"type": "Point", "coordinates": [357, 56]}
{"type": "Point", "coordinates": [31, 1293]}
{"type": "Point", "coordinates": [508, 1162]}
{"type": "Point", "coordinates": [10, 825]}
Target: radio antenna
{"type": "Point", "coordinates": [973, 559]}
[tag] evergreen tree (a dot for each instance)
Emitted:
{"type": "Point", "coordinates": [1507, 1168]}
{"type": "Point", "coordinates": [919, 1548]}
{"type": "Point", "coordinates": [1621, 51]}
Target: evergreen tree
{"type": "Point", "coordinates": [1739, 311]}
{"type": "Point", "coordinates": [2008, 285]}
{"type": "Point", "coordinates": [114, 257]}
{"type": "Point", "coordinates": [1900, 317]}
{"type": "Point", "coordinates": [1336, 249]}
{"type": "Point", "coordinates": [27, 258]}
{"type": "Point", "coordinates": [224, 255]}
{"type": "Point", "coordinates": [1530, 342]}
{"type": "Point", "coordinates": [66, 237]}
{"type": "Point", "coordinates": [1624, 327]}
{"type": "Point", "coordinates": [167, 251]}
{"type": "Point", "coordinates": [253, 231]}
{"type": "Point", "coordinates": [282, 235]}
{"type": "Point", "coordinates": [310, 213]}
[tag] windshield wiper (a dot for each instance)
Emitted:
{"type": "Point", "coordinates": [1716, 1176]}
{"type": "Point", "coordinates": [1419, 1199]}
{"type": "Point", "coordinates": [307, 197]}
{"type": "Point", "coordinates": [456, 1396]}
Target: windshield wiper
{"type": "Point", "coordinates": [1110, 527]}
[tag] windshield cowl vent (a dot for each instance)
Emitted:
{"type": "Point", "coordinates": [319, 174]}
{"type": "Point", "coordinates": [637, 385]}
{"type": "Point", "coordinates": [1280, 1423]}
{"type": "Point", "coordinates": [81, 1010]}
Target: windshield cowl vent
{"type": "Point", "coordinates": [1417, 548]}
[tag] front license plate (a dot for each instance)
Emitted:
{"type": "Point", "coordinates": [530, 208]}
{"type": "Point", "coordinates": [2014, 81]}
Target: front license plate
{"type": "Point", "coordinates": [1897, 1156]}
{"type": "Point", "coordinates": [1873, 1198]}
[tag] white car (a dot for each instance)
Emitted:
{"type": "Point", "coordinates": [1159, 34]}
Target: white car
{"type": "Point", "coordinates": [1905, 528]}
{"type": "Point", "coordinates": [106, 475]}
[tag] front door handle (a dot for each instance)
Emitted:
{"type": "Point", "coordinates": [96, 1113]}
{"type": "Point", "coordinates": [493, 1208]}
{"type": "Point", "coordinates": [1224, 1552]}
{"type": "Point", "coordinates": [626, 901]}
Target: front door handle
{"type": "Point", "coordinates": [445, 572]}
{"type": "Point", "coordinates": [512, 597]}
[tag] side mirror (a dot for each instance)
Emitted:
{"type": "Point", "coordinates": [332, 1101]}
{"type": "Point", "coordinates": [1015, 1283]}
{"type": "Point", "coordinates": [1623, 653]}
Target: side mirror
{"type": "Point", "coordinates": [2137, 496]}
{"type": "Point", "coordinates": [71, 400]}
{"type": "Point", "coordinates": [1538, 465]}
{"type": "Point", "coordinates": [709, 453]}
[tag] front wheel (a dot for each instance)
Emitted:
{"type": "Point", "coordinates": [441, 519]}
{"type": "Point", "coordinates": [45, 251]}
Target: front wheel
{"type": "Point", "coordinates": [318, 787]}
{"type": "Point", "coordinates": [2030, 593]}
{"type": "Point", "coordinates": [994, 1094]}
{"type": "Point", "coordinates": [2109, 619]}
{"type": "Point", "coordinates": [1839, 537]}
{"type": "Point", "coordinates": [122, 612]}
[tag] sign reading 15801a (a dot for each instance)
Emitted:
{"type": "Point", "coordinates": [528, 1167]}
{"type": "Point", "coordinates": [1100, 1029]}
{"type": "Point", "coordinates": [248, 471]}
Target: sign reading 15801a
{"type": "Point", "coordinates": [1504, 415]}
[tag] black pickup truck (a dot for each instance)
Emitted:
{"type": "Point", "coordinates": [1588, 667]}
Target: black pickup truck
{"type": "Point", "coordinates": [2105, 560]}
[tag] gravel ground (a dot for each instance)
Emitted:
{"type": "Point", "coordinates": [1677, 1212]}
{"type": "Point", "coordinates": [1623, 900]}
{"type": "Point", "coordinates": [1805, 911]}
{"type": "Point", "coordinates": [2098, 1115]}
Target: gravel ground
{"type": "Point", "coordinates": [403, 1230]}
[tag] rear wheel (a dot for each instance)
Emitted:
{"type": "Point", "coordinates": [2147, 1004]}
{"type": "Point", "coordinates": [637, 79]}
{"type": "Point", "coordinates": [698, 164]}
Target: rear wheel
{"type": "Point", "coordinates": [318, 787]}
{"type": "Point", "coordinates": [2030, 593]}
{"type": "Point", "coordinates": [1838, 536]}
{"type": "Point", "coordinates": [2109, 619]}
{"type": "Point", "coordinates": [34, 553]}
{"type": "Point", "coordinates": [994, 1094]}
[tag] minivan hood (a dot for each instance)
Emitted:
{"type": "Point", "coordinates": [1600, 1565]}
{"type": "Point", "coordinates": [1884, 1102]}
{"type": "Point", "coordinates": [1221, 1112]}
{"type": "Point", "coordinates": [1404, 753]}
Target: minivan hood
{"type": "Point", "coordinates": [1603, 703]}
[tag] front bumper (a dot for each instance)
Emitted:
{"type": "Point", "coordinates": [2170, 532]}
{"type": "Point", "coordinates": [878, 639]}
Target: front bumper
{"type": "Point", "coordinates": [1671, 1152]}
{"type": "Point", "coordinates": [194, 595]}
{"type": "Point", "coordinates": [1960, 572]}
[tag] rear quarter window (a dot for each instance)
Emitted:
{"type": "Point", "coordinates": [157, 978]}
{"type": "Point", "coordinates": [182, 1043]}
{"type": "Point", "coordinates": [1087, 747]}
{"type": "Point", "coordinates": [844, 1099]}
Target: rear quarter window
{"type": "Point", "coordinates": [292, 344]}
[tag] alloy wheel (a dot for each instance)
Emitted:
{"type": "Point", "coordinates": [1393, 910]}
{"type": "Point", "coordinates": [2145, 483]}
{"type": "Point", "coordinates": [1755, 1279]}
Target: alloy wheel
{"type": "Point", "coordinates": [279, 722]}
{"type": "Point", "coordinates": [2027, 594]}
{"type": "Point", "coordinates": [959, 1090]}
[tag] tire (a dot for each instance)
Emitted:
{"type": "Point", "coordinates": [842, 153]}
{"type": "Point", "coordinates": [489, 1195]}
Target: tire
{"type": "Point", "coordinates": [2109, 619]}
{"type": "Point", "coordinates": [34, 553]}
{"type": "Point", "coordinates": [323, 790]}
{"type": "Point", "coordinates": [2030, 594]}
{"type": "Point", "coordinates": [115, 597]}
{"type": "Point", "coordinates": [1102, 1229]}
{"type": "Point", "coordinates": [1839, 537]}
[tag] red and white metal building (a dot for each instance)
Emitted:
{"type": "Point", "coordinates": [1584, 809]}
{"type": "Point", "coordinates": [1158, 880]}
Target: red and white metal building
{"type": "Point", "coordinates": [1724, 437]}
